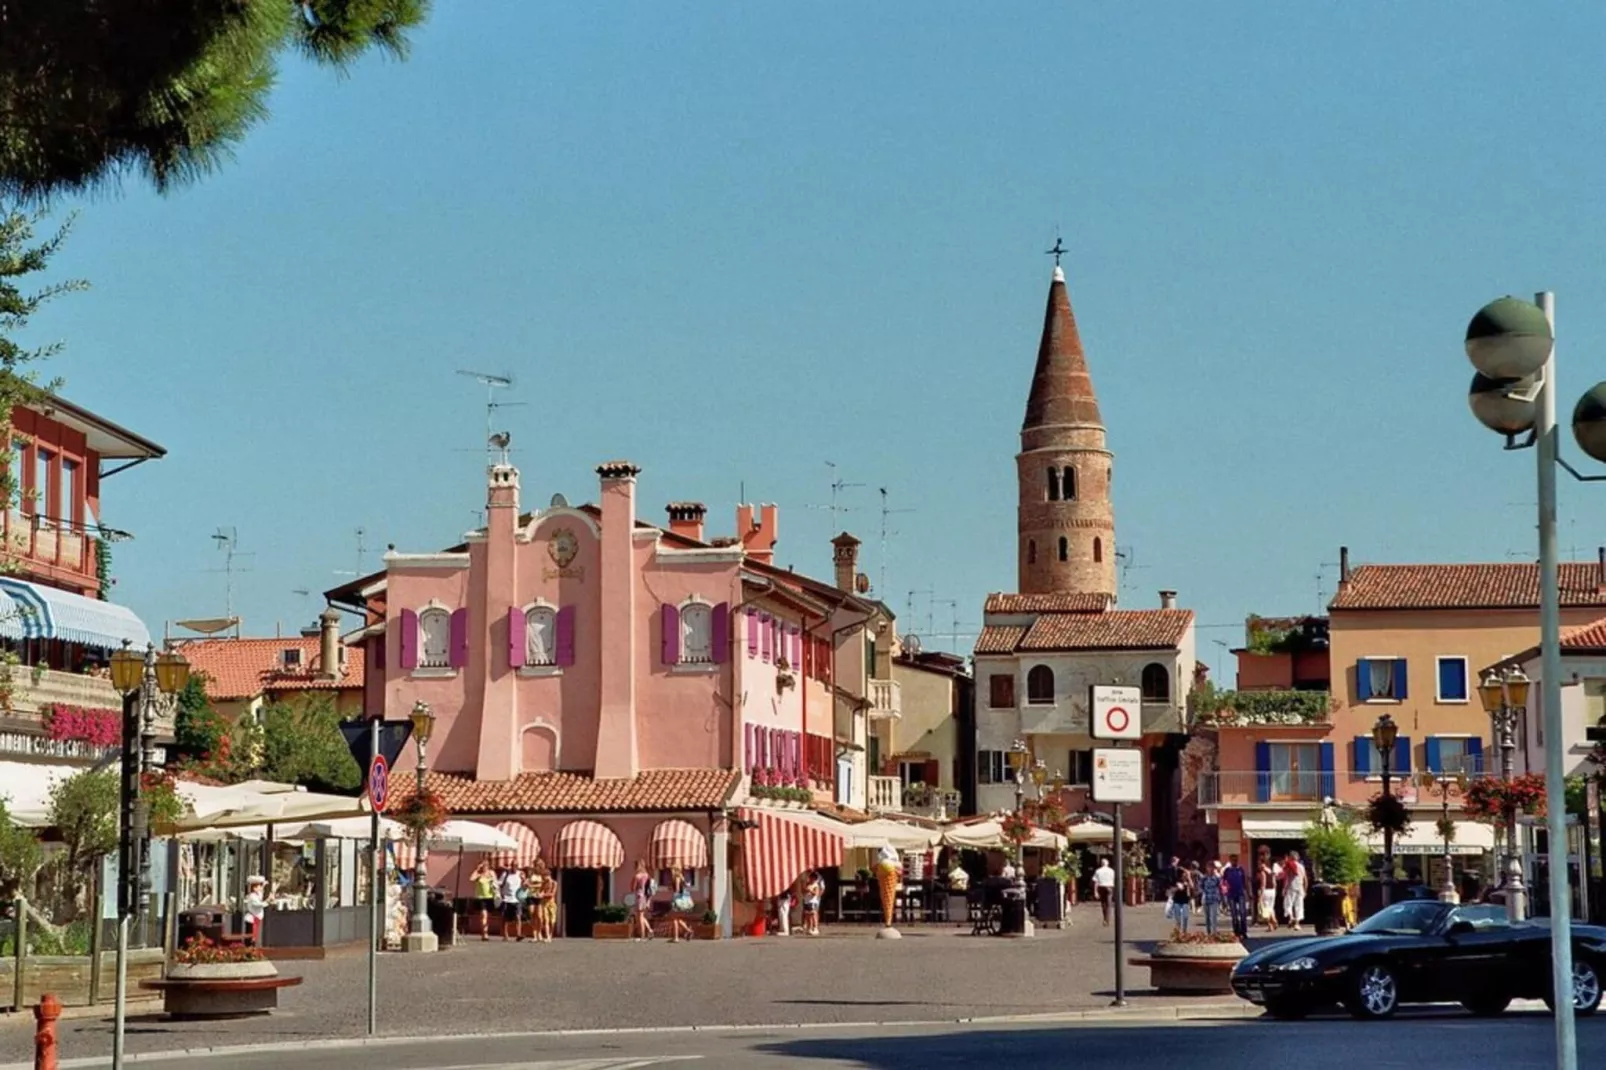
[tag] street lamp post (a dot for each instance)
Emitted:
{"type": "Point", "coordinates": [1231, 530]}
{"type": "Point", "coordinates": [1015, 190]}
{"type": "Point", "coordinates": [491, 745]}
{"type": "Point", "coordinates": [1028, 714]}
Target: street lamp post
{"type": "Point", "coordinates": [1384, 735]}
{"type": "Point", "coordinates": [1018, 753]}
{"type": "Point", "coordinates": [1505, 699]}
{"type": "Point", "coordinates": [1512, 344]}
{"type": "Point", "coordinates": [420, 935]}
{"type": "Point", "coordinates": [1446, 785]}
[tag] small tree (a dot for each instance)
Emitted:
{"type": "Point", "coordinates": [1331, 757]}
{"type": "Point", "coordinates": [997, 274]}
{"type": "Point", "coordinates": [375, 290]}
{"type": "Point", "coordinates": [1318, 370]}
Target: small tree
{"type": "Point", "coordinates": [20, 856]}
{"type": "Point", "coordinates": [1337, 852]}
{"type": "Point", "coordinates": [83, 809]}
{"type": "Point", "coordinates": [302, 744]}
{"type": "Point", "coordinates": [198, 729]}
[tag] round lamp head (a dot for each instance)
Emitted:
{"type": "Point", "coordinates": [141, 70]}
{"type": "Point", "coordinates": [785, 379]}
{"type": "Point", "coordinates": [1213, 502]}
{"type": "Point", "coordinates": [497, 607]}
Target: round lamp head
{"type": "Point", "coordinates": [128, 668]}
{"type": "Point", "coordinates": [172, 673]}
{"type": "Point", "coordinates": [1509, 339]}
{"type": "Point", "coordinates": [1039, 773]}
{"type": "Point", "coordinates": [1589, 422]}
{"type": "Point", "coordinates": [1507, 406]}
{"type": "Point", "coordinates": [1491, 692]}
{"type": "Point", "coordinates": [1384, 733]}
{"type": "Point", "coordinates": [1517, 688]}
{"type": "Point", "coordinates": [423, 719]}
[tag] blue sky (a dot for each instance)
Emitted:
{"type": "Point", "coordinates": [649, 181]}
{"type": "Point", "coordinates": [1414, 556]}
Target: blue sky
{"type": "Point", "coordinates": [734, 241]}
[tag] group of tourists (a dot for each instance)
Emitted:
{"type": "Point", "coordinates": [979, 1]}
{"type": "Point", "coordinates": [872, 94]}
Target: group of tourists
{"type": "Point", "coordinates": [527, 899]}
{"type": "Point", "coordinates": [1205, 888]}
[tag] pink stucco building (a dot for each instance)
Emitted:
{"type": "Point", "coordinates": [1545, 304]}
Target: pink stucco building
{"type": "Point", "coordinates": [616, 687]}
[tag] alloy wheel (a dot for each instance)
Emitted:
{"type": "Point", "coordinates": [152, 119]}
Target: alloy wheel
{"type": "Point", "coordinates": [1586, 986]}
{"type": "Point", "coordinates": [1379, 994]}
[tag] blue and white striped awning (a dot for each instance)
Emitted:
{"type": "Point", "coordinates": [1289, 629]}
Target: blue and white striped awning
{"type": "Point", "coordinates": [29, 611]}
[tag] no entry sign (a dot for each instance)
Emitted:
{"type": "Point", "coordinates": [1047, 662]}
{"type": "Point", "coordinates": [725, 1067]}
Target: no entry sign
{"type": "Point", "coordinates": [379, 783]}
{"type": "Point", "coordinates": [1117, 712]}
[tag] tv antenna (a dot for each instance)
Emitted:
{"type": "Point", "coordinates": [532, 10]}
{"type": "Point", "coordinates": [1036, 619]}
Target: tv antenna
{"type": "Point", "coordinates": [1128, 558]}
{"type": "Point", "coordinates": [928, 592]}
{"type": "Point", "coordinates": [838, 485]}
{"type": "Point", "coordinates": [362, 555]}
{"type": "Point", "coordinates": [881, 582]}
{"type": "Point", "coordinates": [228, 540]}
{"type": "Point", "coordinates": [931, 614]}
{"type": "Point", "coordinates": [492, 384]}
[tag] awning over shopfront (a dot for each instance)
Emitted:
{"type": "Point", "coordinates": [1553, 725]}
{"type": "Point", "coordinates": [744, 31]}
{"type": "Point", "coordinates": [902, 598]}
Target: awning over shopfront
{"type": "Point", "coordinates": [778, 848]}
{"type": "Point", "coordinates": [1275, 828]}
{"type": "Point", "coordinates": [587, 845]}
{"type": "Point", "coordinates": [1471, 838]}
{"type": "Point", "coordinates": [30, 611]}
{"type": "Point", "coordinates": [526, 849]}
{"type": "Point", "coordinates": [679, 843]}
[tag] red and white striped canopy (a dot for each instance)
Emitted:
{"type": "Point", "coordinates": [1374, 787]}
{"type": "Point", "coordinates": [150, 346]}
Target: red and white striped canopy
{"type": "Point", "coordinates": [679, 843]}
{"type": "Point", "coordinates": [527, 853]}
{"type": "Point", "coordinates": [778, 850]}
{"type": "Point", "coordinates": [587, 845]}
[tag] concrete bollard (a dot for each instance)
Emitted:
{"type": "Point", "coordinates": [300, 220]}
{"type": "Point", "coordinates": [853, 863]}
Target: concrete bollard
{"type": "Point", "coordinates": [44, 1037]}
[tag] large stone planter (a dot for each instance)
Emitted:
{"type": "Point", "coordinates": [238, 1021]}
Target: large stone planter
{"type": "Point", "coordinates": [610, 930]}
{"type": "Point", "coordinates": [1193, 969]}
{"type": "Point", "coordinates": [221, 990]}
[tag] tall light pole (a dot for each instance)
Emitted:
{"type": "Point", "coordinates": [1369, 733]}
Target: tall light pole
{"type": "Point", "coordinates": [1446, 784]}
{"type": "Point", "coordinates": [1385, 733]}
{"type": "Point", "coordinates": [1512, 344]}
{"type": "Point", "coordinates": [420, 935]}
{"type": "Point", "coordinates": [1505, 699]}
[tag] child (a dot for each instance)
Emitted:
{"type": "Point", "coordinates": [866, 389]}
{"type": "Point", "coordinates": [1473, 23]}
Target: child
{"type": "Point", "coordinates": [783, 913]}
{"type": "Point", "coordinates": [813, 889]}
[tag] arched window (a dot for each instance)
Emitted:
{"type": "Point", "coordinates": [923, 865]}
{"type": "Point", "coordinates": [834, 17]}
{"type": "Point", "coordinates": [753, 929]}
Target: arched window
{"type": "Point", "coordinates": [1156, 683]}
{"type": "Point", "coordinates": [1053, 485]}
{"type": "Point", "coordinates": [1065, 548]}
{"type": "Point", "coordinates": [435, 634]}
{"type": "Point", "coordinates": [1068, 484]}
{"type": "Point", "coordinates": [696, 633]}
{"type": "Point", "coordinates": [1098, 550]}
{"type": "Point", "coordinates": [1031, 551]}
{"type": "Point", "coordinates": [540, 636]}
{"type": "Point", "coordinates": [1040, 684]}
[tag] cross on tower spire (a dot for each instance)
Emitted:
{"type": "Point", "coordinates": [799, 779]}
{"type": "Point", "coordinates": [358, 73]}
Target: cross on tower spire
{"type": "Point", "coordinates": [1058, 251]}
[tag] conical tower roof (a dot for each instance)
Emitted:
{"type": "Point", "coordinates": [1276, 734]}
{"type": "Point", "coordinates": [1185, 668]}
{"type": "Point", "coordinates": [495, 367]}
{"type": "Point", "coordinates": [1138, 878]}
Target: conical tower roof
{"type": "Point", "coordinates": [1062, 390]}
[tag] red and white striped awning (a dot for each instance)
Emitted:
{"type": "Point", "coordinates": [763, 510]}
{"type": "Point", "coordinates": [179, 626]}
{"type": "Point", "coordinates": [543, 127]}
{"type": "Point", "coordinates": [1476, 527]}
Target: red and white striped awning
{"type": "Point", "coordinates": [679, 843]}
{"type": "Point", "coordinates": [587, 845]}
{"type": "Point", "coordinates": [527, 853]}
{"type": "Point", "coordinates": [779, 849]}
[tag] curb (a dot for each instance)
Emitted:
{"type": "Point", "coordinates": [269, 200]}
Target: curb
{"type": "Point", "coordinates": [1132, 1013]}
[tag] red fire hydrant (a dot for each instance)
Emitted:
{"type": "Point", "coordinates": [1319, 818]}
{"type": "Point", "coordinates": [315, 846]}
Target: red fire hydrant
{"type": "Point", "coordinates": [44, 1037]}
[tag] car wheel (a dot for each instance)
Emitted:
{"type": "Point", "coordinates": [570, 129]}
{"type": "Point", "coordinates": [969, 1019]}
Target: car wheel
{"type": "Point", "coordinates": [1374, 992]}
{"type": "Point", "coordinates": [1286, 1010]}
{"type": "Point", "coordinates": [1487, 1006]}
{"type": "Point", "coordinates": [1586, 988]}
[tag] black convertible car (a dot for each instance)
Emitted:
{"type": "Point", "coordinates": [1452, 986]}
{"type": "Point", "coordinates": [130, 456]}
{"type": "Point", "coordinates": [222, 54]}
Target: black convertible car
{"type": "Point", "coordinates": [1421, 952]}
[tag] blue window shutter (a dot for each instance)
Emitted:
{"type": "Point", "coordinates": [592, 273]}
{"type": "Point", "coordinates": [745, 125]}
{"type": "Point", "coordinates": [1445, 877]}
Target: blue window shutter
{"type": "Point", "coordinates": [1402, 754]}
{"type": "Point", "coordinates": [1475, 754]}
{"type": "Point", "coordinates": [1363, 756]}
{"type": "Point", "coordinates": [1435, 761]}
{"type": "Point", "coordinates": [1363, 680]}
{"type": "Point", "coordinates": [1326, 787]}
{"type": "Point", "coordinates": [1263, 772]}
{"type": "Point", "coordinates": [1399, 678]}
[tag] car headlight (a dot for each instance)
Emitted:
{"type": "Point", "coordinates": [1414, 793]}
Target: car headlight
{"type": "Point", "coordinates": [1306, 963]}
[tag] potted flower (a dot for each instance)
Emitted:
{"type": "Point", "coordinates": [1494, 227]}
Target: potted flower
{"type": "Point", "coordinates": [1339, 857]}
{"type": "Point", "coordinates": [708, 927]}
{"type": "Point", "coordinates": [210, 980]}
{"type": "Point", "coordinates": [611, 922]}
{"type": "Point", "coordinates": [1193, 962]}
{"type": "Point", "coordinates": [1135, 868]}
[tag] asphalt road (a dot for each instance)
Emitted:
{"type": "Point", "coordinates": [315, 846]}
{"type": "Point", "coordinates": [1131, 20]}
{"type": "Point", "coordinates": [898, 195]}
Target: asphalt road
{"type": "Point", "coordinates": [1440, 1040]}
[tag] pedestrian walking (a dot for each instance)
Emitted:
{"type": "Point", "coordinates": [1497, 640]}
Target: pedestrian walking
{"type": "Point", "coordinates": [813, 890]}
{"type": "Point", "coordinates": [1294, 891]}
{"type": "Point", "coordinates": [510, 886]}
{"type": "Point", "coordinates": [1236, 882]}
{"type": "Point", "coordinates": [1210, 887]}
{"type": "Point", "coordinates": [1179, 901]}
{"type": "Point", "coordinates": [1267, 878]}
{"type": "Point", "coordinates": [1104, 887]}
{"type": "Point", "coordinates": [1196, 885]}
{"type": "Point", "coordinates": [484, 879]}
{"type": "Point", "coordinates": [642, 891]}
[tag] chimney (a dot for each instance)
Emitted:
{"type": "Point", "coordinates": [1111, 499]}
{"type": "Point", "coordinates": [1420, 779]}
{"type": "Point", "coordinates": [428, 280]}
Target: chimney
{"type": "Point", "coordinates": [686, 519]}
{"type": "Point", "coordinates": [617, 756]}
{"type": "Point", "coordinates": [845, 553]}
{"type": "Point", "coordinates": [329, 644]}
{"type": "Point", "coordinates": [1168, 600]}
{"type": "Point", "coordinates": [1343, 564]}
{"type": "Point", "coordinates": [759, 532]}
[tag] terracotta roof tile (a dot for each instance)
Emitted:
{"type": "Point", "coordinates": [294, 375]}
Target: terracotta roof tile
{"type": "Point", "coordinates": [1497, 586]}
{"type": "Point", "coordinates": [1132, 629]}
{"type": "Point", "coordinates": [245, 668]}
{"type": "Point", "coordinates": [999, 638]}
{"type": "Point", "coordinates": [1585, 639]}
{"type": "Point", "coordinates": [578, 793]}
{"type": "Point", "coordinates": [1079, 602]}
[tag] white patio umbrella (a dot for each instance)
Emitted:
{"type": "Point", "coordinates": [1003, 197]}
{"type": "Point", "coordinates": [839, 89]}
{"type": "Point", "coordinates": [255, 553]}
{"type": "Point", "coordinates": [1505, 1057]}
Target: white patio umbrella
{"type": "Point", "coordinates": [989, 836]}
{"type": "Point", "coordinates": [469, 836]}
{"type": "Point", "coordinates": [1097, 832]}
{"type": "Point", "coordinates": [885, 832]}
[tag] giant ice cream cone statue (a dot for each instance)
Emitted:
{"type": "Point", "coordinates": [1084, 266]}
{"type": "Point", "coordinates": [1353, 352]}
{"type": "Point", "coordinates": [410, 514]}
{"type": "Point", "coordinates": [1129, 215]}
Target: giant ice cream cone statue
{"type": "Point", "coordinates": [888, 875]}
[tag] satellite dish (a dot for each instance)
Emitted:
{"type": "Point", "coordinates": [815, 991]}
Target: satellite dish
{"type": "Point", "coordinates": [911, 644]}
{"type": "Point", "coordinates": [861, 583]}
{"type": "Point", "coordinates": [559, 502]}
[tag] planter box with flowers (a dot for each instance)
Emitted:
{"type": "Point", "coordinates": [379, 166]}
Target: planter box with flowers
{"type": "Point", "coordinates": [207, 980]}
{"type": "Point", "coordinates": [1193, 963]}
{"type": "Point", "coordinates": [611, 922]}
{"type": "Point", "coordinates": [775, 786]}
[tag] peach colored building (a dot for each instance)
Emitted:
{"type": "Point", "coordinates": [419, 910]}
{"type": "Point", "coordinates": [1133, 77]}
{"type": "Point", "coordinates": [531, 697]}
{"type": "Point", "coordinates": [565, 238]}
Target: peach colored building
{"type": "Point", "coordinates": [616, 688]}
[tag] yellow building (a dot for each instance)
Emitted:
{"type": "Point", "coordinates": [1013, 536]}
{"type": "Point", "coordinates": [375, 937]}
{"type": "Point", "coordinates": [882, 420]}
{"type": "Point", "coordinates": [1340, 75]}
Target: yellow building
{"type": "Point", "coordinates": [243, 675]}
{"type": "Point", "coordinates": [920, 757]}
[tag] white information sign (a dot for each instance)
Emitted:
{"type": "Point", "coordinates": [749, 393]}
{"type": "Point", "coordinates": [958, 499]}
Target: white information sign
{"type": "Point", "coordinates": [1117, 775]}
{"type": "Point", "coordinates": [1117, 712]}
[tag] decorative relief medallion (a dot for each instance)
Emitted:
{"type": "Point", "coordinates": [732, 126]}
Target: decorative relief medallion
{"type": "Point", "coordinates": [563, 547]}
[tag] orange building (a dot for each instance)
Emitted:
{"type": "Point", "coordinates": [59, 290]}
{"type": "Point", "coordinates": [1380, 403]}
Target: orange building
{"type": "Point", "coordinates": [242, 675]}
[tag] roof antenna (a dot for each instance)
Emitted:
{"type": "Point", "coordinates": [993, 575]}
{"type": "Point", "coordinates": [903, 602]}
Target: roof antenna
{"type": "Point", "coordinates": [228, 540]}
{"type": "Point", "coordinates": [881, 582]}
{"type": "Point", "coordinates": [492, 383]}
{"type": "Point", "coordinates": [838, 485]}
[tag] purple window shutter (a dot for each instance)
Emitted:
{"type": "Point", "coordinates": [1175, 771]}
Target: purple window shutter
{"type": "Point", "coordinates": [752, 633]}
{"type": "Point", "coordinates": [379, 653]}
{"type": "Point", "coordinates": [721, 632]}
{"type": "Point", "coordinates": [792, 755]}
{"type": "Point", "coordinates": [457, 653]}
{"type": "Point", "coordinates": [566, 636]}
{"type": "Point", "coordinates": [670, 618]}
{"type": "Point", "coordinates": [409, 639]}
{"type": "Point", "coordinates": [764, 623]}
{"type": "Point", "coordinates": [515, 637]}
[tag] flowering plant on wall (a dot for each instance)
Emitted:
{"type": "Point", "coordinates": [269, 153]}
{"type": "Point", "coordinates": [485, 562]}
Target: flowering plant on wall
{"type": "Point", "coordinates": [84, 724]}
{"type": "Point", "coordinates": [1489, 798]}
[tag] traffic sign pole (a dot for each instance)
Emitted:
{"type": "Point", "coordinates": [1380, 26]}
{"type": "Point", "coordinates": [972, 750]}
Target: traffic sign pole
{"type": "Point", "coordinates": [377, 886]}
{"type": "Point", "coordinates": [1120, 912]}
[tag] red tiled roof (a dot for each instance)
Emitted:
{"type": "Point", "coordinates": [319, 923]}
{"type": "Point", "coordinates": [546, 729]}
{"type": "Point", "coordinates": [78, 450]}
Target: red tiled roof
{"type": "Point", "coordinates": [246, 668]}
{"type": "Point", "coordinates": [1134, 629]}
{"type": "Point", "coordinates": [577, 793]}
{"type": "Point", "coordinates": [1585, 639]}
{"type": "Point", "coordinates": [1078, 602]}
{"type": "Point", "coordinates": [1497, 586]}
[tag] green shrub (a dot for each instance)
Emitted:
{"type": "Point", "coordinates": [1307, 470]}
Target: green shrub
{"type": "Point", "coordinates": [1337, 852]}
{"type": "Point", "coordinates": [612, 913]}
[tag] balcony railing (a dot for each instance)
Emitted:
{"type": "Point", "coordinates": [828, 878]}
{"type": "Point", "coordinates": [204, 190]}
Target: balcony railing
{"type": "Point", "coordinates": [44, 541]}
{"type": "Point", "coordinates": [886, 699]}
{"type": "Point", "coordinates": [1233, 708]}
{"type": "Point", "coordinates": [886, 795]}
{"type": "Point", "coordinates": [1250, 788]}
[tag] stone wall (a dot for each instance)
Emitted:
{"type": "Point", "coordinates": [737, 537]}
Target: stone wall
{"type": "Point", "coordinates": [68, 977]}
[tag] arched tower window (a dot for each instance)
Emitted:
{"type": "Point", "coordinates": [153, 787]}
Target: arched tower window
{"type": "Point", "coordinates": [1156, 683]}
{"type": "Point", "coordinates": [1040, 684]}
{"type": "Point", "coordinates": [1065, 548]}
{"type": "Point", "coordinates": [1031, 551]}
{"type": "Point", "coordinates": [1068, 484]}
{"type": "Point", "coordinates": [1098, 549]}
{"type": "Point", "coordinates": [1053, 485]}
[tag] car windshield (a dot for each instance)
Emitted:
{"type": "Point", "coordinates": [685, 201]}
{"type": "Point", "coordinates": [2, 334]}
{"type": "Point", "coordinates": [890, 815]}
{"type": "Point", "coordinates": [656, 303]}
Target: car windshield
{"type": "Point", "coordinates": [1404, 919]}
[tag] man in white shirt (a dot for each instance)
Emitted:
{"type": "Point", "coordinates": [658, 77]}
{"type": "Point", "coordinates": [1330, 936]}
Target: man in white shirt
{"type": "Point", "coordinates": [1104, 887]}
{"type": "Point", "coordinates": [512, 881]}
